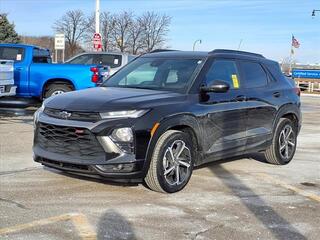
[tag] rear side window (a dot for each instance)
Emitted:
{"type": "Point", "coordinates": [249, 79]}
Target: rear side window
{"type": "Point", "coordinates": [41, 56]}
{"type": "Point", "coordinates": [253, 74]}
{"type": "Point", "coordinates": [12, 53]}
{"type": "Point", "coordinates": [224, 70]}
{"type": "Point", "coordinates": [275, 70]}
{"type": "Point", "coordinates": [82, 59]}
{"type": "Point", "coordinates": [111, 60]}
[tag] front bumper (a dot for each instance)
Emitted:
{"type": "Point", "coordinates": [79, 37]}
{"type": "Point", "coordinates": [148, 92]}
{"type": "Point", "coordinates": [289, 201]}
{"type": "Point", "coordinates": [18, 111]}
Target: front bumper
{"type": "Point", "coordinates": [103, 158]}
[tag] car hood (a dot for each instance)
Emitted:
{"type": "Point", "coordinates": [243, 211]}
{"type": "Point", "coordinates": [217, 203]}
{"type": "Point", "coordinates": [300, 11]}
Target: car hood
{"type": "Point", "coordinates": [101, 99]}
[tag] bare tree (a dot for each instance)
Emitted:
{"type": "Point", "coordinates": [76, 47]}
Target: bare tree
{"type": "Point", "coordinates": [155, 29]}
{"type": "Point", "coordinates": [129, 33]}
{"type": "Point", "coordinates": [42, 41]}
{"type": "Point", "coordinates": [106, 28]}
{"type": "Point", "coordinates": [120, 33]}
{"type": "Point", "coordinates": [136, 37]}
{"type": "Point", "coordinates": [287, 64]}
{"type": "Point", "coordinates": [74, 25]}
{"type": "Point", "coordinates": [107, 25]}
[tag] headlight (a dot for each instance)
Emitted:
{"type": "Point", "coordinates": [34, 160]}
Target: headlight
{"type": "Point", "coordinates": [41, 108]}
{"type": "Point", "coordinates": [122, 135]}
{"type": "Point", "coordinates": [36, 114]}
{"type": "Point", "coordinates": [124, 114]}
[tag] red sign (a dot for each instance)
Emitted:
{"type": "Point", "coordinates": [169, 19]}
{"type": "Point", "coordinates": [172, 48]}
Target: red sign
{"type": "Point", "coordinates": [97, 43]}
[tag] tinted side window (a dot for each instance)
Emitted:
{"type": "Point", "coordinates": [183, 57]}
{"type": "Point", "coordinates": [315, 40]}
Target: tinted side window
{"type": "Point", "coordinates": [225, 70]}
{"type": "Point", "coordinates": [110, 60]}
{"type": "Point", "coordinates": [253, 75]}
{"type": "Point", "coordinates": [41, 56]}
{"type": "Point", "coordinates": [12, 53]}
{"type": "Point", "coordinates": [275, 70]}
{"type": "Point", "coordinates": [82, 59]}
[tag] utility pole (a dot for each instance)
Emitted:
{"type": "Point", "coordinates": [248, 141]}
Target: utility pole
{"type": "Point", "coordinates": [97, 16]}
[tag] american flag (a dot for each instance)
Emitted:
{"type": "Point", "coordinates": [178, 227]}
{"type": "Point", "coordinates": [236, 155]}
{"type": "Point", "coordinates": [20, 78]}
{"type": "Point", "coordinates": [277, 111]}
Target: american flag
{"type": "Point", "coordinates": [295, 43]}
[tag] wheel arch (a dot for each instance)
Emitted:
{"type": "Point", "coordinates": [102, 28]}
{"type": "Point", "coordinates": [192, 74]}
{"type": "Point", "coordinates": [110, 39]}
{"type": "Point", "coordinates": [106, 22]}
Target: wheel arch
{"type": "Point", "coordinates": [291, 112]}
{"type": "Point", "coordinates": [56, 81]}
{"type": "Point", "coordinates": [182, 122]}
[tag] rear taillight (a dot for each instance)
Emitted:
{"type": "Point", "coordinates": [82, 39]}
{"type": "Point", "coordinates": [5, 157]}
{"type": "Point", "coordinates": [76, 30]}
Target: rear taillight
{"type": "Point", "coordinates": [297, 91]}
{"type": "Point", "coordinates": [95, 78]}
{"type": "Point", "coordinates": [95, 74]}
{"type": "Point", "coordinates": [94, 69]}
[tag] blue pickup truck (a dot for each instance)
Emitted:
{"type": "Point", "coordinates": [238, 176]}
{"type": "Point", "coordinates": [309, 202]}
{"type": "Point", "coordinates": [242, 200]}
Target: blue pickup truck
{"type": "Point", "coordinates": [36, 76]}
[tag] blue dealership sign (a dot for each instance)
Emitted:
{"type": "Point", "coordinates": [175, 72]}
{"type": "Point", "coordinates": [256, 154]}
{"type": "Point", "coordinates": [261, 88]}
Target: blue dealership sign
{"type": "Point", "coordinates": [306, 73]}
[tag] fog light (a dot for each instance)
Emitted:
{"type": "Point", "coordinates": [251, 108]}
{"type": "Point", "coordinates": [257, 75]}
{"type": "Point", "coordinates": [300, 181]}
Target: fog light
{"type": "Point", "coordinates": [122, 135]}
{"type": "Point", "coordinates": [118, 167]}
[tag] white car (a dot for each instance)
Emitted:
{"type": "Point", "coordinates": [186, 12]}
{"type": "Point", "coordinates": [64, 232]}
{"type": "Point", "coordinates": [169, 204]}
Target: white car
{"type": "Point", "coordinates": [7, 87]}
{"type": "Point", "coordinates": [114, 60]}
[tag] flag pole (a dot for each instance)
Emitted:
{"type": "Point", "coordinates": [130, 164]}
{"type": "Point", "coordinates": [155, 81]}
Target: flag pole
{"type": "Point", "coordinates": [291, 56]}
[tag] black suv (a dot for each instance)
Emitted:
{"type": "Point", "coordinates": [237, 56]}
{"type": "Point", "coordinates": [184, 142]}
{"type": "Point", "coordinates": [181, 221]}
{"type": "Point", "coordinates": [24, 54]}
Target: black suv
{"type": "Point", "coordinates": [168, 111]}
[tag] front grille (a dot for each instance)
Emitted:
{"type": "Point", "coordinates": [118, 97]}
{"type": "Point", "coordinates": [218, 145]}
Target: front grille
{"type": "Point", "coordinates": [78, 116]}
{"type": "Point", "coordinates": [71, 141]}
{"type": "Point", "coordinates": [8, 88]}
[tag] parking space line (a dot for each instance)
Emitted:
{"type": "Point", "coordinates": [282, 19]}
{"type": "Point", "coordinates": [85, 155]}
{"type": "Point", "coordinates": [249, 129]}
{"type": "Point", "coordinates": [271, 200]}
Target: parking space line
{"type": "Point", "coordinates": [299, 191]}
{"type": "Point", "coordinates": [86, 232]}
{"type": "Point", "coordinates": [79, 221]}
{"type": "Point", "coordinates": [34, 224]}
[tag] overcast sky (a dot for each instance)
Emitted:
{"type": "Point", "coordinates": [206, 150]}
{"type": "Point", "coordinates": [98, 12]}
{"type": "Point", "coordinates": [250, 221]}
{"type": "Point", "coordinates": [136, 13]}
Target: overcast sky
{"type": "Point", "coordinates": [265, 26]}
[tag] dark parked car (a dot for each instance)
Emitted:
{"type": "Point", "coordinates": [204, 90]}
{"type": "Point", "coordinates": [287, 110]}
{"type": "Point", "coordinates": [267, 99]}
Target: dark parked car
{"type": "Point", "coordinates": [166, 112]}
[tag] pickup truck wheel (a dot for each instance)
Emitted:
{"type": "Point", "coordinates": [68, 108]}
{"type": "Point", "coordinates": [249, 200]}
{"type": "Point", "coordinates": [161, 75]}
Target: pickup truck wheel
{"type": "Point", "coordinates": [55, 89]}
{"type": "Point", "coordinates": [284, 143]}
{"type": "Point", "coordinates": [171, 163]}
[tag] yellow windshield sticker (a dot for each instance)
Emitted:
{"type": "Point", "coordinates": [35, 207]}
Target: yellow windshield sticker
{"type": "Point", "coordinates": [235, 81]}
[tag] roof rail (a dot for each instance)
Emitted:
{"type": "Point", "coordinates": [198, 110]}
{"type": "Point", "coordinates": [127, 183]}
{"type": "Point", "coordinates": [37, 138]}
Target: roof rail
{"type": "Point", "coordinates": [162, 50]}
{"type": "Point", "coordinates": [236, 52]}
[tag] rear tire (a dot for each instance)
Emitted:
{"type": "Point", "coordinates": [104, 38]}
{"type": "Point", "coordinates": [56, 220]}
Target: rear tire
{"type": "Point", "coordinates": [284, 143]}
{"type": "Point", "coordinates": [55, 89]}
{"type": "Point", "coordinates": [172, 162]}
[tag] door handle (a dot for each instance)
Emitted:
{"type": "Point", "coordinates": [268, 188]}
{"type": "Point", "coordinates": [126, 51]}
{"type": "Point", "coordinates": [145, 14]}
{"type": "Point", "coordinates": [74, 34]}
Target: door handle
{"type": "Point", "coordinates": [276, 94]}
{"type": "Point", "coordinates": [240, 98]}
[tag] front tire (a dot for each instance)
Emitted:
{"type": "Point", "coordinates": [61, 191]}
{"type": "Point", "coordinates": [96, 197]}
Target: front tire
{"type": "Point", "coordinates": [172, 162]}
{"type": "Point", "coordinates": [284, 143]}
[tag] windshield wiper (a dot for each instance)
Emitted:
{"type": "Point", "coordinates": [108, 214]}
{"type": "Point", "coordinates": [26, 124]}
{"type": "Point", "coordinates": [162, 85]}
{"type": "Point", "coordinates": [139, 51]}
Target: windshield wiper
{"type": "Point", "coordinates": [137, 87]}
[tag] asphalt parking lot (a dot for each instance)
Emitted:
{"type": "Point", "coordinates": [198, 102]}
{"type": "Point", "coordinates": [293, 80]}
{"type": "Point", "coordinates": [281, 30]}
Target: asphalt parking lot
{"type": "Point", "coordinates": [242, 198]}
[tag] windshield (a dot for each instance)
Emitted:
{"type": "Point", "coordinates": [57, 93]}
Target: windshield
{"type": "Point", "coordinates": [155, 73]}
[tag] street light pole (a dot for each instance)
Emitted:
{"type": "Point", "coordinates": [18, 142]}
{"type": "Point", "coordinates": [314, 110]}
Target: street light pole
{"type": "Point", "coordinates": [195, 42]}
{"type": "Point", "coordinates": [313, 14]}
{"type": "Point", "coordinates": [239, 46]}
{"type": "Point", "coordinates": [97, 16]}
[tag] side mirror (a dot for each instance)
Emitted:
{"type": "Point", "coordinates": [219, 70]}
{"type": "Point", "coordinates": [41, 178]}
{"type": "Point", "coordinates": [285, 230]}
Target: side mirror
{"type": "Point", "coordinates": [217, 86]}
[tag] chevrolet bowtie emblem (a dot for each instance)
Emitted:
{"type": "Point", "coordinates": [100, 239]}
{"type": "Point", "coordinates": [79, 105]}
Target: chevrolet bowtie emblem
{"type": "Point", "coordinates": [64, 114]}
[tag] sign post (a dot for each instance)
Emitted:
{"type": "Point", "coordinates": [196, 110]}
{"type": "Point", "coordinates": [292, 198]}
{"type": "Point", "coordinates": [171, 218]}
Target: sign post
{"type": "Point", "coordinates": [97, 16]}
{"type": "Point", "coordinates": [59, 44]}
{"type": "Point", "coordinates": [97, 43]}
